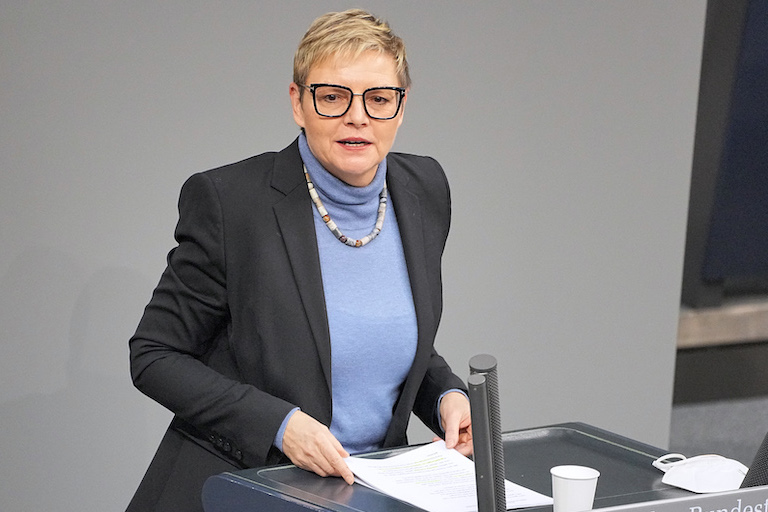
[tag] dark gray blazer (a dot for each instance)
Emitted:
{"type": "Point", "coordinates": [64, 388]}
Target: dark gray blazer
{"type": "Point", "coordinates": [236, 333]}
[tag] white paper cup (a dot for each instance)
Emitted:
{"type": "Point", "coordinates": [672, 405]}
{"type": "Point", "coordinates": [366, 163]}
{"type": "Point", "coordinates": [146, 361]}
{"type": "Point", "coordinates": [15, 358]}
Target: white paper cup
{"type": "Point", "coordinates": [573, 488]}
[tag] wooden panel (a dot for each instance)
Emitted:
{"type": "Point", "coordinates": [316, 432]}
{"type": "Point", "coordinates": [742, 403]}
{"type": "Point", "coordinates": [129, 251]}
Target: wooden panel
{"type": "Point", "coordinates": [737, 322]}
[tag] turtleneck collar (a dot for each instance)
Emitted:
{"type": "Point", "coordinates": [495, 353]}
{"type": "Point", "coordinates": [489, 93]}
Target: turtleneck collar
{"type": "Point", "coordinates": [333, 189]}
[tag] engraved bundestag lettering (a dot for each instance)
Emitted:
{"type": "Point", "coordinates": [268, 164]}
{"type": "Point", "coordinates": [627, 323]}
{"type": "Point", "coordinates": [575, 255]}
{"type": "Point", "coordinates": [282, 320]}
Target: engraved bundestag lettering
{"type": "Point", "coordinates": [758, 507]}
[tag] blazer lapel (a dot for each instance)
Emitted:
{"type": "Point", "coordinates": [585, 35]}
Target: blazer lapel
{"type": "Point", "coordinates": [411, 224]}
{"type": "Point", "coordinates": [295, 220]}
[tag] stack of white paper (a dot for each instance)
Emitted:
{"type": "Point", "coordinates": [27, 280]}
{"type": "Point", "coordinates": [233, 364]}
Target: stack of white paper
{"type": "Point", "coordinates": [435, 479]}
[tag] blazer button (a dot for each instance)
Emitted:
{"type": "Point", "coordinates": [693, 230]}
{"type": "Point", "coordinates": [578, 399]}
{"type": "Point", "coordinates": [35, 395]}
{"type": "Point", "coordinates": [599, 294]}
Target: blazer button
{"type": "Point", "coordinates": [227, 447]}
{"type": "Point", "coordinates": [238, 455]}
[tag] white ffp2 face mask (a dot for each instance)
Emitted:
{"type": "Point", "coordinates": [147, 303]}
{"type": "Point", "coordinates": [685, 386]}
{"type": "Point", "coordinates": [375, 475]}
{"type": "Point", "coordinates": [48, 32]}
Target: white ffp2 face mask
{"type": "Point", "coordinates": [701, 474]}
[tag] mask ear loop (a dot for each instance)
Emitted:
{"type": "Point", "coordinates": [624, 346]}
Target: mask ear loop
{"type": "Point", "coordinates": [663, 464]}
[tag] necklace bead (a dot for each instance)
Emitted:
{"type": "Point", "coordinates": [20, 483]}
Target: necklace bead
{"type": "Point", "coordinates": [332, 225]}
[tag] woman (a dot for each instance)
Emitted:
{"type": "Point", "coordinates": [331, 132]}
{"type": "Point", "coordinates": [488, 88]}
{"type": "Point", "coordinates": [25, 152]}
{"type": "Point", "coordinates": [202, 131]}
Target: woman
{"type": "Point", "coordinates": [295, 320]}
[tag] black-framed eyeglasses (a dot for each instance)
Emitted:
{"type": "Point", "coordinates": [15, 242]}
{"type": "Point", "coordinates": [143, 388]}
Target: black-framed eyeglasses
{"type": "Point", "coordinates": [332, 100]}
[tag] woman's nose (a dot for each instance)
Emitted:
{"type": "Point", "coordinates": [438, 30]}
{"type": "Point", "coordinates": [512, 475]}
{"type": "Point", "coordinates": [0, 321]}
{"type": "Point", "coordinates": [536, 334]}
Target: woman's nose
{"type": "Point", "coordinates": [356, 113]}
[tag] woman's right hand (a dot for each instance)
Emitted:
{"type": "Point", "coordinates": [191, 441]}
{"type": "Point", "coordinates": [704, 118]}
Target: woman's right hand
{"type": "Point", "coordinates": [311, 446]}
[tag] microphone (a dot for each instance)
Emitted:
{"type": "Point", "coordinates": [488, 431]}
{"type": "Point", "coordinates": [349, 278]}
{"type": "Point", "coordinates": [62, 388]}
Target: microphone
{"type": "Point", "coordinates": [486, 434]}
{"type": "Point", "coordinates": [758, 470]}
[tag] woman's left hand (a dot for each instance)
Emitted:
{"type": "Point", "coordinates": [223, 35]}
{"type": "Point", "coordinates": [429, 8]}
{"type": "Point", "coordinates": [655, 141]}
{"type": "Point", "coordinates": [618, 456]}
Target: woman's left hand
{"type": "Point", "coordinates": [457, 422]}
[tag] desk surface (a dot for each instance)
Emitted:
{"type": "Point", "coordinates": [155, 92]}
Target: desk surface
{"type": "Point", "coordinates": [626, 475]}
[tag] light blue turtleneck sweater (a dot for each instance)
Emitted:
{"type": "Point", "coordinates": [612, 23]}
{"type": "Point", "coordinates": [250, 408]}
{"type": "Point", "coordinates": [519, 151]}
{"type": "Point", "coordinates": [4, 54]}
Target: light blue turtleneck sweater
{"type": "Point", "coordinates": [369, 304]}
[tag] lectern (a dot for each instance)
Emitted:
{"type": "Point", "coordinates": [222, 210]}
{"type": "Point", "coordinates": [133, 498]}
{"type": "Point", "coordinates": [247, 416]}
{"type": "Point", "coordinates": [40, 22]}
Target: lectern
{"type": "Point", "coordinates": [627, 475]}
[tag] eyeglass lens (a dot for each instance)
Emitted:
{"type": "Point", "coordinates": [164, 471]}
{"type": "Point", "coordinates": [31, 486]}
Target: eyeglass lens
{"type": "Point", "coordinates": [334, 101]}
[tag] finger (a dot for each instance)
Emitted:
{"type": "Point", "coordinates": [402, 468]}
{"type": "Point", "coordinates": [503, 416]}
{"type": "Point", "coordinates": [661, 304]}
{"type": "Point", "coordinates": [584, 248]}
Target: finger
{"type": "Point", "coordinates": [451, 432]}
{"type": "Point", "coordinates": [344, 472]}
{"type": "Point", "coordinates": [320, 465]}
{"type": "Point", "coordinates": [466, 441]}
{"type": "Point", "coordinates": [340, 449]}
{"type": "Point", "coordinates": [334, 455]}
{"type": "Point", "coordinates": [465, 449]}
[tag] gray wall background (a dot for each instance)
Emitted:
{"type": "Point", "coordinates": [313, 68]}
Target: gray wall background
{"type": "Point", "coordinates": [566, 129]}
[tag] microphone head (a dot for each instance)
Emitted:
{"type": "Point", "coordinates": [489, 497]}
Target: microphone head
{"type": "Point", "coordinates": [476, 379]}
{"type": "Point", "coordinates": [482, 363]}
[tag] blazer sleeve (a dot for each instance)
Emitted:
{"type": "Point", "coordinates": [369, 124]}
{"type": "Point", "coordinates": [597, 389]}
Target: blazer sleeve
{"type": "Point", "coordinates": [438, 379]}
{"type": "Point", "coordinates": [182, 335]}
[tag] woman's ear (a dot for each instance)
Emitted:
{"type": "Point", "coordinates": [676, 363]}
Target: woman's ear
{"type": "Point", "coordinates": [298, 112]}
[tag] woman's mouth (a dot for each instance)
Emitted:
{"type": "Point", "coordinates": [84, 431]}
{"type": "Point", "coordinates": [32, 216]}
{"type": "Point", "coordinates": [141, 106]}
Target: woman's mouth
{"type": "Point", "coordinates": [354, 142]}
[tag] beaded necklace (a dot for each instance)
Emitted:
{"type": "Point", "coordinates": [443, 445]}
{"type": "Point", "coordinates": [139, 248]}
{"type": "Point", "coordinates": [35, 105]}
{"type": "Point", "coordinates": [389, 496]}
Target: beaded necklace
{"type": "Point", "coordinates": [332, 225]}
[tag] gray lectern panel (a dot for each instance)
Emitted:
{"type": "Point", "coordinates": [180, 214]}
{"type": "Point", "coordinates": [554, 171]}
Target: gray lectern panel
{"type": "Point", "coordinates": [625, 466]}
{"type": "Point", "coordinates": [626, 473]}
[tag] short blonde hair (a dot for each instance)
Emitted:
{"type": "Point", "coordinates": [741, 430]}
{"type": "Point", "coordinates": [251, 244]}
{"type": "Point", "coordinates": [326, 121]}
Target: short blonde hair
{"type": "Point", "coordinates": [350, 33]}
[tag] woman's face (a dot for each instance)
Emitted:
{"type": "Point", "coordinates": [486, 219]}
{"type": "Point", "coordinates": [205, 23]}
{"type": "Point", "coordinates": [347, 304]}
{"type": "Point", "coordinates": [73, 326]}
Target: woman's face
{"type": "Point", "coordinates": [351, 146]}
